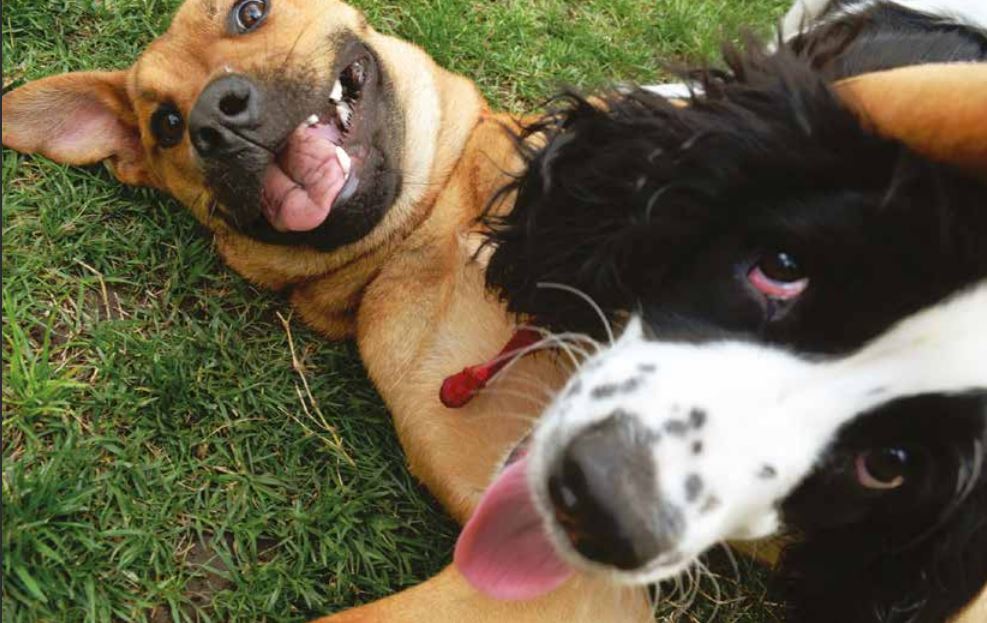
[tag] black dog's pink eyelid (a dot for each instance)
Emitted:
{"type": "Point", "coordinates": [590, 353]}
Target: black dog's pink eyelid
{"type": "Point", "coordinates": [772, 288]}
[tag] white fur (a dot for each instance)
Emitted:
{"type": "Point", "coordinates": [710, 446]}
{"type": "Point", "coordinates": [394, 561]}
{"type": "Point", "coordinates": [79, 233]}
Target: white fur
{"type": "Point", "coordinates": [764, 406]}
{"type": "Point", "coordinates": [805, 13]}
{"type": "Point", "coordinates": [674, 90]}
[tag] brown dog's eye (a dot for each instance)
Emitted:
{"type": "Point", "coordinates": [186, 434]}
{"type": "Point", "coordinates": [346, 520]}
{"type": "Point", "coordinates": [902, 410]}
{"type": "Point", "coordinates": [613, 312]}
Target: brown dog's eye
{"type": "Point", "coordinates": [167, 125]}
{"type": "Point", "coordinates": [248, 14]}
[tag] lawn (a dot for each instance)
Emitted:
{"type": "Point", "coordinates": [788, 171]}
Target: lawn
{"type": "Point", "coordinates": [162, 459]}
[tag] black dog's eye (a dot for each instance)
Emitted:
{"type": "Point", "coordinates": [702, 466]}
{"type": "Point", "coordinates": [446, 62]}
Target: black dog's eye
{"type": "Point", "coordinates": [248, 14]}
{"type": "Point", "coordinates": [777, 275]}
{"type": "Point", "coordinates": [781, 266]}
{"type": "Point", "coordinates": [167, 125]}
{"type": "Point", "coordinates": [882, 468]}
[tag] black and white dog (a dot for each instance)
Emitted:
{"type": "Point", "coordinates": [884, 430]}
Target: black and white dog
{"type": "Point", "coordinates": [805, 333]}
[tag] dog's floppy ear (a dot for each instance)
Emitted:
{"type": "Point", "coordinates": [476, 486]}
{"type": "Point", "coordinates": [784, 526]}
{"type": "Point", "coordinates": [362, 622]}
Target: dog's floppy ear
{"type": "Point", "coordinates": [78, 118]}
{"type": "Point", "coordinates": [580, 219]}
{"type": "Point", "coordinates": [938, 110]}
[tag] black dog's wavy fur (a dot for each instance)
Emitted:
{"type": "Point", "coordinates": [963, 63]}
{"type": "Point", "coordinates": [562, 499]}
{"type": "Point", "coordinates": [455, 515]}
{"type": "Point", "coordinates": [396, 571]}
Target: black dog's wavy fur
{"type": "Point", "coordinates": [915, 557]}
{"type": "Point", "coordinates": [629, 188]}
{"type": "Point", "coordinates": [633, 180]}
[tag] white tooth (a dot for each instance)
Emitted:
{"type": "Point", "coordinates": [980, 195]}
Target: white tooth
{"type": "Point", "coordinates": [312, 120]}
{"type": "Point", "coordinates": [344, 159]}
{"type": "Point", "coordinates": [337, 92]}
{"type": "Point", "coordinates": [345, 113]}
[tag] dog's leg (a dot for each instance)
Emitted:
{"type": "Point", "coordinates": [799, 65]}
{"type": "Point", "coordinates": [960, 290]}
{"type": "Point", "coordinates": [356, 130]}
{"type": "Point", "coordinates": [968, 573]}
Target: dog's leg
{"type": "Point", "coordinates": [447, 597]}
{"type": "Point", "coordinates": [456, 452]}
{"type": "Point", "coordinates": [430, 319]}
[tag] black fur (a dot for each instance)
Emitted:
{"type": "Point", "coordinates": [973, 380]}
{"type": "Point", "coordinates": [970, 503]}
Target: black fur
{"type": "Point", "coordinates": [914, 554]}
{"type": "Point", "coordinates": [885, 36]}
{"type": "Point", "coordinates": [647, 206]}
{"type": "Point", "coordinates": [650, 206]}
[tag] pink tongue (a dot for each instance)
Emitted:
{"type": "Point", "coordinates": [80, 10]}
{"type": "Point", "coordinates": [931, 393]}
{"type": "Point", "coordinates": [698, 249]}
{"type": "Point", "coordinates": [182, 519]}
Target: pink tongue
{"type": "Point", "coordinates": [299, 188]}
{"type": "Point", "coordinates": [503, 550]}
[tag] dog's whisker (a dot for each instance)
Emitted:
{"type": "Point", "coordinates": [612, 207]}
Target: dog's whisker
{"type": "Point", "coordinates": [732, 558]}
{"type": "Point", "coordinates": [535, 401]}
{"type": "Point", "coordinates": [534, 392]}
{"type": "Point", "coordinates": [579, 338]}
{"type": "Point", "coordinates": [717, 597]}
{"type": "Point", "coordinates": [495, 417]}
{"type": "Point", "coordinates": [587, 298]}
{"type": "Point", "coordinates": [654, 601]}
{"type": "Point", "coordinates": [515, 356]}
{"type": "Point", "coordinates": [569, 340]}
{"type": "Point", "coordinates": [294, 46]}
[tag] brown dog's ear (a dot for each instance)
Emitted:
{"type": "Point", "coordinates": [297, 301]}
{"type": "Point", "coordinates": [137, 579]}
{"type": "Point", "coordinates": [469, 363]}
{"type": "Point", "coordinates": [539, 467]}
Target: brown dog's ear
{"type": "Point", "coordinates": [78, 118]}
{"type": "Point", "coordinates": [938, 110]}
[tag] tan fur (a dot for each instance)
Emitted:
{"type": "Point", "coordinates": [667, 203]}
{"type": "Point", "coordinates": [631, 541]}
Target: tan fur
{"type": "Point", "coordinates": [975, 612]}
{"type": "Point", "coordinates": [411, 292]}
{"type": "Point", "coordinates": [939, 110]}
{"type": "Point", "coordinates": [447, 597]}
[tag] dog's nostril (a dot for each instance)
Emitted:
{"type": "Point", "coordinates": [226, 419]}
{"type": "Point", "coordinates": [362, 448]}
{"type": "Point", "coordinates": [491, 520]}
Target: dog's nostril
{"type": "Point", "coordinates": [604, 496]}
{"type": "Point", "coordinates": [564, 496]}
{"type": "Point", "coordinates": [226, 108]}
{"type": "Point", "coordinates": [234, 104]}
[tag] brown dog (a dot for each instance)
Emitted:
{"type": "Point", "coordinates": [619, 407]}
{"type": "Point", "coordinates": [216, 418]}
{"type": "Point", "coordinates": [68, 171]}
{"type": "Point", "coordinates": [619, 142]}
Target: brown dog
{"type": "Point", "coordinates": [346, 169]}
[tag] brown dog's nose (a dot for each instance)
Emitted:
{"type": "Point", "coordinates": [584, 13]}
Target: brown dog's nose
{"type": "Point", "coordinates": [226, 108]}
{"type": "Point", "coordinates": [605, 495]}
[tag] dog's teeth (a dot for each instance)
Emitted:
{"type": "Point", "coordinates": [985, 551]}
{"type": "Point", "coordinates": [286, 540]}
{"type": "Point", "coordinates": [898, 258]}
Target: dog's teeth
{"type": "Point", "coordinates": [337, 92]}
{"type": "Point", "coordinates": [345, 113]}
{"type": "Point", "coordinates": [344, 159]}
{"type": "Point", "coordinates": [312, 120]}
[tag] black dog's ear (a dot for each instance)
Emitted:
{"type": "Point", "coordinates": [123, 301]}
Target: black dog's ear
{"type": "Point", "coordinates": [627, 187]}
{"type": "Point", "coordinates": [584, 215]}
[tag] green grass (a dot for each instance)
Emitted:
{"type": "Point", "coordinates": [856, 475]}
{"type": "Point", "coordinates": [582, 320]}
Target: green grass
{"type": "Point", "coordinates": [161, 460]}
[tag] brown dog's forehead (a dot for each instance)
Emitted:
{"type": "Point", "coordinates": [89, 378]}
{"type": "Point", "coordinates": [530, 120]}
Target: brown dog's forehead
{"type": "Point", "coordinates": [195, 14]}
{"type": "Point", "coordinates": [199, 44]}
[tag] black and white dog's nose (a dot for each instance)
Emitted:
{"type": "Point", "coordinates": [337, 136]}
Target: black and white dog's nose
{"type": "Point", "coordinates": [605, 495]}
{"type": "Point", "coordinates": [226, 107]}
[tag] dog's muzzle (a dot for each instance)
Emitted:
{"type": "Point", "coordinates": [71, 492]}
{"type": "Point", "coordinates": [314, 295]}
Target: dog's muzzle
{"type": "Point", "coordinates": [226, 109]}
{"type": "Point", "coordinates": [605, 495]}
{"type": "Point", "coordinates": [656, 451]}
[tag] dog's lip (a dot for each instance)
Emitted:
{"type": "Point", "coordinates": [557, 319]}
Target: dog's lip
{"type": "Point", "coordinates": [317, 166]}
{"type": "Point", "coordinates": [311, 174]}
{"type": "Point", "coordinates": [518, 452]}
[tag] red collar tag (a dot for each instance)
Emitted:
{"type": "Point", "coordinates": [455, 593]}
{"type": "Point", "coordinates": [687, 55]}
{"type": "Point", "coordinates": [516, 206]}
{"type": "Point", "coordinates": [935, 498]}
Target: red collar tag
{"type": "Point", "coordinates": [457, 390]}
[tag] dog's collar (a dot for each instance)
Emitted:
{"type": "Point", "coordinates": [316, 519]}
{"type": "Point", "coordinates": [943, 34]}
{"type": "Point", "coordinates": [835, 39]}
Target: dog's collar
{"type": "Point", "coordinates": [460, 388]}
